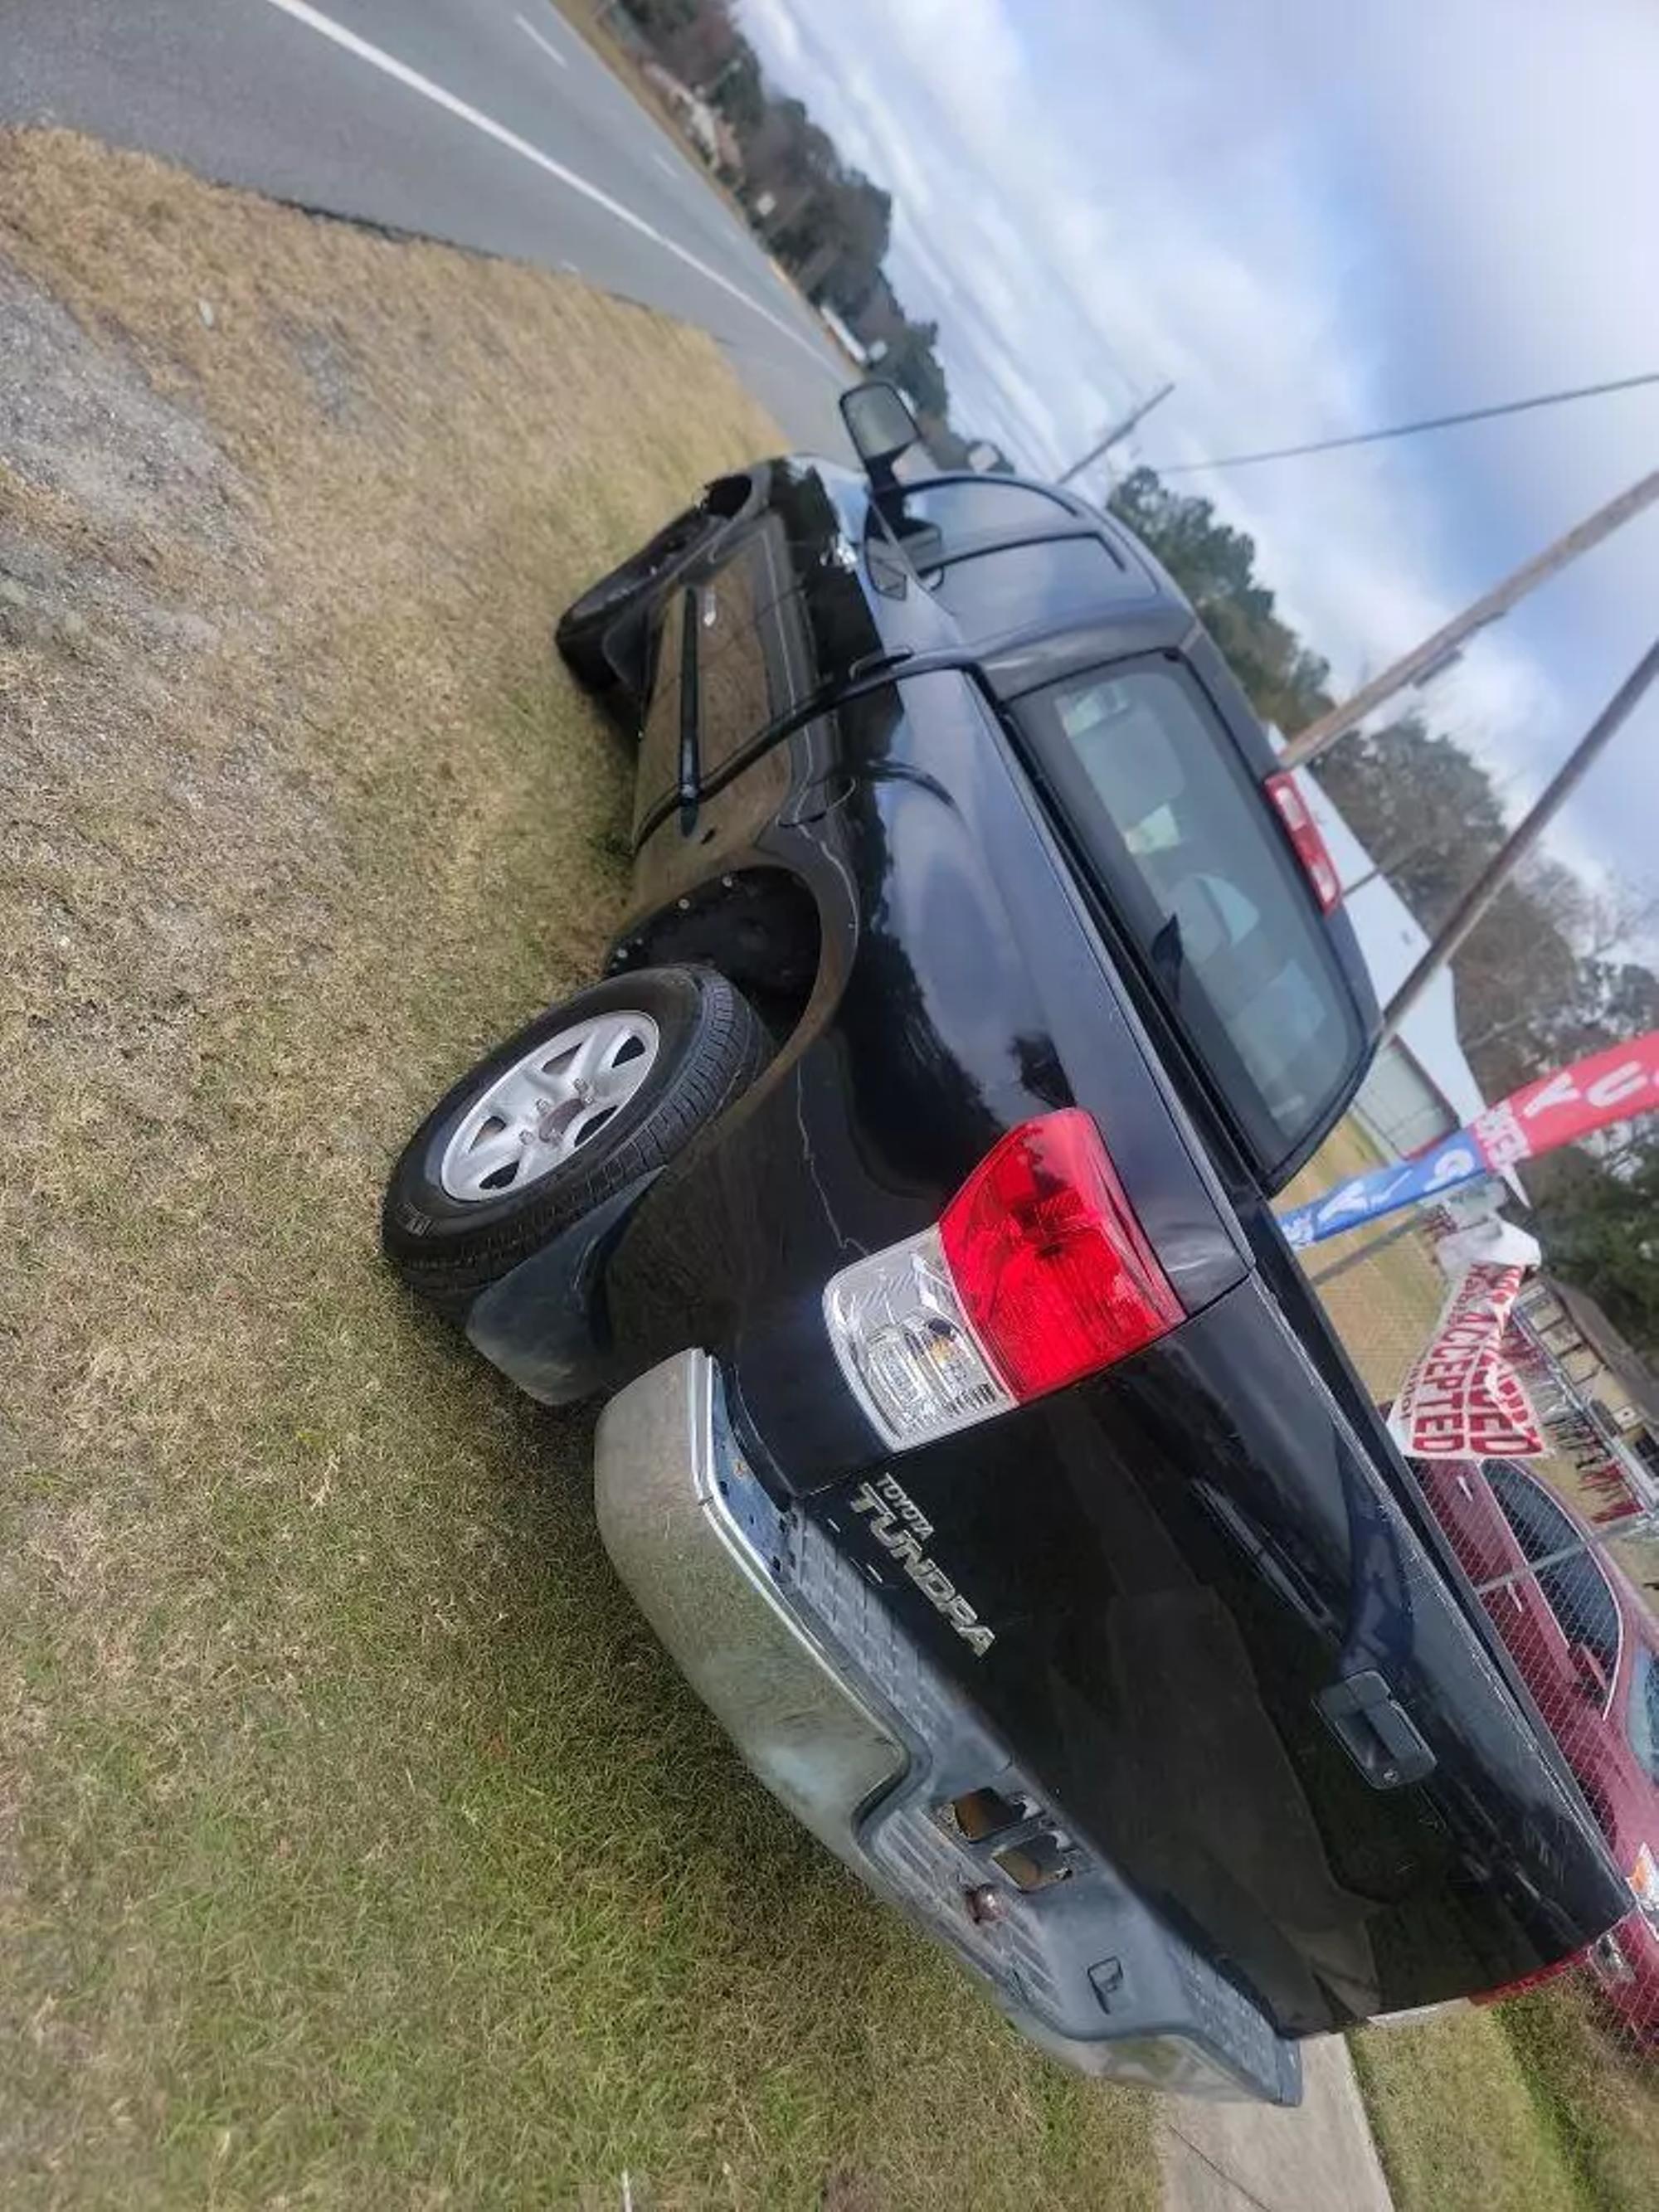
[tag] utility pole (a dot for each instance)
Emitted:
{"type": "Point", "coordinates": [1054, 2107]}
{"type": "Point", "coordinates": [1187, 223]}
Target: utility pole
{"type": "Point", "coordinates": [1117, 433]}
{"type": "Point", "coordinates": [1423, 659]}
{"type": "Point", "coordinates": [707, 91]}
{"type": "Point", "coordinates": [1491, 878]}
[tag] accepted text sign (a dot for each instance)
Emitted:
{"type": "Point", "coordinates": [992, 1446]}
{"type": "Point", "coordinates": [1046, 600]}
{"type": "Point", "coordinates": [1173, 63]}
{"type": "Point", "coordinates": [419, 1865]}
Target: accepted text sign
{"type": "Point", "coordinates": [1463, 1400]}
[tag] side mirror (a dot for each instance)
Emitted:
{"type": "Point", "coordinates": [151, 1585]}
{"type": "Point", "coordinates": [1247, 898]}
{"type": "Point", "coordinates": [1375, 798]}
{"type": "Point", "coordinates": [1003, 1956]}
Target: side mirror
{"type": "Point", "coordinates": [881, 426]}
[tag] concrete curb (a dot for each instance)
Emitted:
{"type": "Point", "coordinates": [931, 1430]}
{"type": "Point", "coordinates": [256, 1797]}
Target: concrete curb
{"type": "Point", "coordinates": [1255, 2158]}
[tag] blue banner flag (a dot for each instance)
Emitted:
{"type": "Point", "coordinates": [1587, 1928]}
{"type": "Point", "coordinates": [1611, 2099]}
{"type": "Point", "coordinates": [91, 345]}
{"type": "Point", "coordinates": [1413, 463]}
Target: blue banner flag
{"type": "Point", "coordinates": [1616, 1085]}
{"type": "Point", "coordinates": [1456, 1159]}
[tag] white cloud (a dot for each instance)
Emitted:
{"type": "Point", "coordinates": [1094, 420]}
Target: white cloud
{"type": "Point", "coordinates": [1313, 221]}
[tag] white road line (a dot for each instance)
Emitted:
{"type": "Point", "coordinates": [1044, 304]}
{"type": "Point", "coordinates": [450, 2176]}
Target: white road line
{"type": "Point", "coordinates": [546, 44]}
{"type": "Point", "coordinates": [665, 165]}
{"type": "Point", "coordinates": [314, 20]}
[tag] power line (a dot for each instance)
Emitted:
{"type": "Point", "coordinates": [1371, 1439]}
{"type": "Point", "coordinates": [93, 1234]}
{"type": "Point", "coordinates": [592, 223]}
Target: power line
{"type": "Point", "coordinates": [1119, 431]}
{"type": "Point", "coordinates": [1410, 429]}
{"type": "Point", "coordinates": [1476, 901]}
{"type": "Point", "coordinates": [1434, 652]}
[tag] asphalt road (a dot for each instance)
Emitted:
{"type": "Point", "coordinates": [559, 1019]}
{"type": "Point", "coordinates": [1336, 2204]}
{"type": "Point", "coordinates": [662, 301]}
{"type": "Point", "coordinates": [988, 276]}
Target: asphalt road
{"type": "Point", "coordinates": [488, 122]}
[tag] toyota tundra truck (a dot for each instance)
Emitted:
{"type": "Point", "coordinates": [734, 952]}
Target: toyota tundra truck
{"type": "Point", "coordinates": [973, 1442]}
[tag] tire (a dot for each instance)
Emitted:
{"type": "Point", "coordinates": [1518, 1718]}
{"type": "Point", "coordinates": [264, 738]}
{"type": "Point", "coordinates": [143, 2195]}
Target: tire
{"type": "Point", "coordinates": [601, 635]}
{"type": "Point", "coordinates": [453, 1222]}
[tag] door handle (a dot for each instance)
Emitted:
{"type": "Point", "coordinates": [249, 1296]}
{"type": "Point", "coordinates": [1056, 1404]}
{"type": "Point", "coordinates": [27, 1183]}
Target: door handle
{"type": "Point", "coordinates": [1376, 1731]}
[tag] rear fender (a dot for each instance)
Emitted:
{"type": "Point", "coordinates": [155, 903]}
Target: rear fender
{"type": "Point", "coordinates": [544, 1323]}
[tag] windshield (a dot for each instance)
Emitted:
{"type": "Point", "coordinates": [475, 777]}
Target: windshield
{"type": "Point", "coordinates": [963, 508]}
{"type": "Point", "coordinates": [1644, 1722]}
{"type": "Point", "coordinates": [1203, 879]}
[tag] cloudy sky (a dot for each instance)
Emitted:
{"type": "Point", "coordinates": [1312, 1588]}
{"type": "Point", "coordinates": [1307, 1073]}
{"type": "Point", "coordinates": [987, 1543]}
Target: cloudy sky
{"type": "Point", "coordinates": [1315, 217]}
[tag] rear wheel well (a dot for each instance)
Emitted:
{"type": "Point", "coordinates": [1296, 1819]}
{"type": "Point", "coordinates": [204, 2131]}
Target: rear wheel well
{"type": "Point", "coordinates": [758, 926]}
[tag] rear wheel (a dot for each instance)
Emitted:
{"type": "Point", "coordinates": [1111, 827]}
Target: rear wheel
{"type": "Point", "coordinates": [584, 1100]}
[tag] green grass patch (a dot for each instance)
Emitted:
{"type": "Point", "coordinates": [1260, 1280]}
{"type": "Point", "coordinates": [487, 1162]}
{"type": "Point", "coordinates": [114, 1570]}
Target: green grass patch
{"type": "Point", "coordinates": [1531, 2106]}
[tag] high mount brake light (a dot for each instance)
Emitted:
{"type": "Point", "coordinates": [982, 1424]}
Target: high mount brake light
{"type": "Point", "coordinates": [1037, 1273]}
{"type": "Point", "coordinates": [1310, 847]}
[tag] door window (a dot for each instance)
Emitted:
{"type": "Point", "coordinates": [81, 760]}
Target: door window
{"type": "Point", "coordinates": [1577, 1594]}
{"type": "Point", "coordinates": [1644, 1720]}
{"type": "Point", "coordinates": [964, 508]}
{"type": "Point", "coordinates": [1540, 1527]}
{"type": "Point", "coordinates": [1574, 1588]}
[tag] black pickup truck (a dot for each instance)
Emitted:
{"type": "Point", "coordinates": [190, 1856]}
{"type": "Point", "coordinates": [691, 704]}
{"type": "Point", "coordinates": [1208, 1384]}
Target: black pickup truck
{"type": "Point", "coordinates": [975, 1443]}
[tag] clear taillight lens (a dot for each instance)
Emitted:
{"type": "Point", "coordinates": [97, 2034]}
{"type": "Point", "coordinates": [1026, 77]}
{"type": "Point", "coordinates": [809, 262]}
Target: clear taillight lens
{"type": "Point", "coordinates": [1037, 1273]}
{"type": "Point", "coordinates": [905, 1345]}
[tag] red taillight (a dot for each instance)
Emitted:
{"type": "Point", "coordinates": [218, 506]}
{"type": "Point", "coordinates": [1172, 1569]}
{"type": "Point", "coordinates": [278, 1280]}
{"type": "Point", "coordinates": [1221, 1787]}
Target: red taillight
{"type": "Point", "coordinates": [1038, 1272]}
{"type": "Point", "coordinates": [1053, 1272]}
{"type": "Point", "coordinates": [1310, 849]}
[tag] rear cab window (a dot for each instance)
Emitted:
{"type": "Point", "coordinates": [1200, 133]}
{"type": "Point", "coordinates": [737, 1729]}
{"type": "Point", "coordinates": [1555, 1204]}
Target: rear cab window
{"type": "Point", "coordinates": [1203, 881]}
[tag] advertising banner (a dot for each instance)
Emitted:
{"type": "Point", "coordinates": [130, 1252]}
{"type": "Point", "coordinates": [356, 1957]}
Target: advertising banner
{"type": "Point", "coordinates": [1557, 1109]}
{"type": "Point", "coordinates": [1463, 1400]}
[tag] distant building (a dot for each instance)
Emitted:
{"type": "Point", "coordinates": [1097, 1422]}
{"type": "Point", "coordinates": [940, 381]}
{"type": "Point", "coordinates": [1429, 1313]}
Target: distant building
{"type": "Point", "coordinates": [1620, 1388]}
{"type": "Point", "coordinates": [1421, 1086]}
{"type": "Point", "coordinates": [708, 131]}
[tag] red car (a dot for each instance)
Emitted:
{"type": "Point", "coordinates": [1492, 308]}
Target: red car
{"type": "Point", "coordinates": [1588, 1647]}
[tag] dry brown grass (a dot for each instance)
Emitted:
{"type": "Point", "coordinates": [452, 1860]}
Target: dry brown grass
{"type": "Point", "coordinates": [357, 1845]}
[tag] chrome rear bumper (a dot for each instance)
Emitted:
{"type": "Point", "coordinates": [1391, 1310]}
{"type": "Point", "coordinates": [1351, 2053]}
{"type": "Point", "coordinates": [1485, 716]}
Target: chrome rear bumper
{"type": "Point", "coordinates": [702, 1582]}
{"type": "Point", "coordinates": [847, 1722]}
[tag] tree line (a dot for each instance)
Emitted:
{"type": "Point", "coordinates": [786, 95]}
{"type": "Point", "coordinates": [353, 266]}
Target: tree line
{"type": "Point", "coordinates": [827, 223]}
{"type": "Point", "coordinates": [1551, 973]}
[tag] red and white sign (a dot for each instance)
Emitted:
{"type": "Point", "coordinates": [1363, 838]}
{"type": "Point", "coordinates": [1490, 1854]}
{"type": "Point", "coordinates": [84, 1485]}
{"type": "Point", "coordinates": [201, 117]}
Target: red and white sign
{"type": "Point", "coordinates": [1463, 1400]}
{"type": "Point", "coordinates": [1614, 1085]}
{"type": "Point", "coordinates": [1611, 1086]}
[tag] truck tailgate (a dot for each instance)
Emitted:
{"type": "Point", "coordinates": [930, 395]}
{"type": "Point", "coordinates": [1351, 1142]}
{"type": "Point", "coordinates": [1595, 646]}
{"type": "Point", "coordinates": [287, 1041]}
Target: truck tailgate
{"type": "Point", "coordinates": [1229, 1655]}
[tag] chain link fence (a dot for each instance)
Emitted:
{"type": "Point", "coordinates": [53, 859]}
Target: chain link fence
{"type": "Point", "coordinates": [1564, 1552]}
